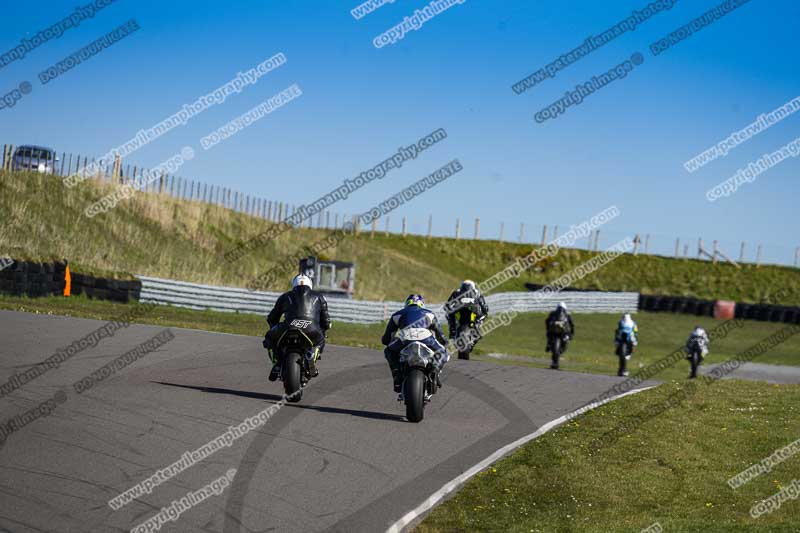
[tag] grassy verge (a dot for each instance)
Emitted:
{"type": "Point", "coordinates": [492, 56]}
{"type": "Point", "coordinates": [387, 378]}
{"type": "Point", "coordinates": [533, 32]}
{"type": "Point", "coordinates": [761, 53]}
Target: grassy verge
{"type": "Point", "coordinates": [672, 470]}
{"type": "Point", "coordinates": [156, 235]}
{"type": "Point", "coordinates": [591, 351]}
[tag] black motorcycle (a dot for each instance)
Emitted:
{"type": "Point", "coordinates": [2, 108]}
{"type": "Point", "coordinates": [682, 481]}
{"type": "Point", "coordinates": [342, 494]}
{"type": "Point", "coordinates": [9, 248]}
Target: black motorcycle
{"type": "Point", "coordinates": [298, 358]}
{"type": "Point", "coordinates": [624, 351]}
{"type": "Point", "coordinates": [558, 333]}
{"type": "Point", "coordinates": [695, 356]}
{"type": "Point", "coordinates": [467, 327]}
{"type": "Point", "coordinates": [420, 378]}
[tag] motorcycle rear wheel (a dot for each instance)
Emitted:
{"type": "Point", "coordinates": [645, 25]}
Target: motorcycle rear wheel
{"type": "Point", "coordinates": [291, 377]}
{"type": "Point", "coordinates": [556, 351]}
{"type": "Point", "coordinates": [623, 355]}
{"type": "Point", "coordinates": [414, 394]}
{"type": "Point", "coordinates": [695, 362]}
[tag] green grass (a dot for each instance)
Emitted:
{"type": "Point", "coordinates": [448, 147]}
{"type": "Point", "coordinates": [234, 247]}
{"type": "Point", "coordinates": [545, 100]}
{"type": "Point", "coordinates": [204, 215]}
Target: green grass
{"type": "Point", "coordinates": [160, 236]}
{"type": "Point", "coordinates": [673, 469]}
{"type": "Point", "coordinates": [659, 335]}
{"type": "Point", "coordinates": [591, 351]}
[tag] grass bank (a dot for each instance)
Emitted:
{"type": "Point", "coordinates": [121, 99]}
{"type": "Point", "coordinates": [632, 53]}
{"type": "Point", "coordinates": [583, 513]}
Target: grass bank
{"type": "Point", "coordinates": [161, 236]}
{"type": "Point", "coordinates": [672, 470]}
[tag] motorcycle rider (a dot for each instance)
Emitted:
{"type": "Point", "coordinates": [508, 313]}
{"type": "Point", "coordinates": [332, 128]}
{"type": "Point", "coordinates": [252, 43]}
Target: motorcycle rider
{"type": "Point", "coordinates": [299, 303]}
{"type": "Point", "coordinates": [559, 315]}
{"type": "Point", "coordinates": [700, 337]}
{"type": "Point", "coordinates": [454, 305]}
{"type": "Point", "coordinates": [626, 327]}
{"type": "Point", "coordinates": [417, 321]}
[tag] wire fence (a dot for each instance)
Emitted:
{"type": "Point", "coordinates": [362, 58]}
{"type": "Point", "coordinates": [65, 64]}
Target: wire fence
{"type": "Point", "coordinates": [48, 161]}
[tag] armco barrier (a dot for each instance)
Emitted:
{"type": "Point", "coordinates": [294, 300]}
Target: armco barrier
{"type": "Point", "coordinates": [199, 296]}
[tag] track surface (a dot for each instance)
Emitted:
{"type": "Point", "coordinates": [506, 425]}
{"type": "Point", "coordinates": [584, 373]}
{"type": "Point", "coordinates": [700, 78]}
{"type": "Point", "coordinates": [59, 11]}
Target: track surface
{"type": "Point", "coordinates": [344, 459]}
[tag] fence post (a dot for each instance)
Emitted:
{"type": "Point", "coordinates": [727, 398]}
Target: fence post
{"type": "Point", "coordinates": [699, 248]}
{"type": "Point", "coordinates": [502, 227]}
{"type": "Point", "coordinates": [372, 230]}
{"type": "Point", "coordinates": [555, 233]}
{"type": "Point", "coordinates": [686, 251]}
{"type": "Point", "coordinates": [387, 225]}
{"type": "Point", "coordinates": [636, 244]}
{"type": "Point", "coordinates": [521, 231]}
{"type": "Point", "coordinates": [596, 240]}
{"type": "Point", "coordinates": [758, 256]}
{"type": "Point", "coordinates": [544, 234]}
{"type": "Point", "coordinates": [677, 247]}
{"type": "Point", "coordinates": [647, 244]}
{"type": "Point", "coordinates": [161, 183]}
{"type": "Point", "coordinates": [477, 228]}
{"type": "Point", "coordinates": [796, 255]}
{"type": "Point", "coordinates": [741, 253]}
{"type": "Point", "coordinates": [714, 257]}
{"type": "Point", "coordinates": [5, 149]}
{"type": "Point", "coordinates": [458, 228]}
{"type": "Point", "coordinates": [430, 225]}
{"type": "Point", "coordinates": [116, 168]}
{"type": "Point", "coordinates": [404, 226]}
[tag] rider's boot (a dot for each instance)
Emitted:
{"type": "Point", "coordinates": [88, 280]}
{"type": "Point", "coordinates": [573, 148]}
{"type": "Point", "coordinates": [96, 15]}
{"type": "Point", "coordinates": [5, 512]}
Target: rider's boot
{"type": "Point", "coordinates": [275, 373]}
{"type": "Point", "coordinates": [394, 366]}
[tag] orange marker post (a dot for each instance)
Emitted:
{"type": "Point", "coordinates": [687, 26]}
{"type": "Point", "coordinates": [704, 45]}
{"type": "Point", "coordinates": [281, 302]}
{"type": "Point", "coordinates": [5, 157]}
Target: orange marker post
{"type": "Point", "coordinates": [67, 282]}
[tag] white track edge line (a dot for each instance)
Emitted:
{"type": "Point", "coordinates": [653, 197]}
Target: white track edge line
{"type": "Point", "coordinates": [440, 494]}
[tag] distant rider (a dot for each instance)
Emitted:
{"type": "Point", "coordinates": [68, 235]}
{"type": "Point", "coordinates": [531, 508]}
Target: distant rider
{"type": "Point", "coordinates": [464, 301]}
{"type": "Point", "coordinates": [559, 318]}
{"type": "Point", "coordinates": [299, 303]}
{"type": "Point", "coordinates": [699, 337]}
{"type": "Point", "coordinates": [416, 322]}
{"type": "Point", "coordinates": [626, 328]}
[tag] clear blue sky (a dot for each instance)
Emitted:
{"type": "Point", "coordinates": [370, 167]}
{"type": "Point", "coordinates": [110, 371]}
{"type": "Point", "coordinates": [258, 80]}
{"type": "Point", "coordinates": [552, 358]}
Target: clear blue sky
{"type": "Point", "coordinates": [624, 145]}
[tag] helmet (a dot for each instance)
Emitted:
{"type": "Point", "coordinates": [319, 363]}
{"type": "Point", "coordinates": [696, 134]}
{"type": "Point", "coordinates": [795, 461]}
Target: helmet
{"type": "Point", "coordinates": [561, 305]}
{"type": "Point", "coordinates": [415, 299]}
{"type": "Point", "coordinates": [627, 317]}
{"type": "Point", "coordinates": [467, 285]}
{"type": "Point", "coordinates": [302, 279]}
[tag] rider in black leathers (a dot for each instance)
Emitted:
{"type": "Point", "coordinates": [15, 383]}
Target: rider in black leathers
{"type": "Point", "coordinates": [299, 303]}
{"type": "Point", "coordinates": [412, 316]}
{"type": "Point", "coordinates": [454, 306]}
{"type": "Point", "coordinates": [559, 314]}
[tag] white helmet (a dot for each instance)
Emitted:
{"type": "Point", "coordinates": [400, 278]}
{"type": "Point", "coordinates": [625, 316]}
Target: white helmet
{"type": "Point", "coordinates": [627, 318]}
{"type": "Point", "coordinates": [561, 305]}
{"type": "Point", "coordinates": [468, 285]}
{"type": "Point", "coordinates": [302, 279]}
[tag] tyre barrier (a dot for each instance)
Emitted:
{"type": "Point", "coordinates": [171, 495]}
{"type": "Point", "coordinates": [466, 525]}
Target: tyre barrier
{"type": "Point", "coordinates": [26, 278]}
{"type": "Point", "coordinates": [111, 289]}
{"type": "Point", "coordinates": [676, 304]}
{"type": "Point", "coordinates": [693, 306]}
{"type": "Point", "coordinates": [31, 279]}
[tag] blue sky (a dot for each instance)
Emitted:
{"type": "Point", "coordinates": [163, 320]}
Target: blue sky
{"type": "Point", "coordinates": [624, 145]}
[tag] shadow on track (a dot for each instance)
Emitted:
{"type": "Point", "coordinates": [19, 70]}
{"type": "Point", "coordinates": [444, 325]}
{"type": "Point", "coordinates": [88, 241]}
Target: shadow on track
{"type": "Point", "coordinates": [275, 398]}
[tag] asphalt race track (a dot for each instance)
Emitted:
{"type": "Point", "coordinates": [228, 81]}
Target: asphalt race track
{"type": "Point", "coordinates": [344, 459]}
